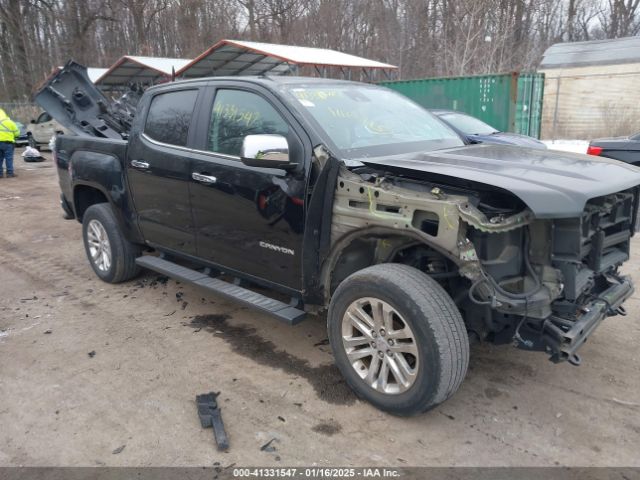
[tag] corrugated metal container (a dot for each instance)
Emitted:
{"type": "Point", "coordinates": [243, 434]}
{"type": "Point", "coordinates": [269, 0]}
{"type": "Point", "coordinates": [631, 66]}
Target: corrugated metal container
{"type": "Point", "coordinates": [509, 102]}
{"type": "Point", "coordinates": [529, 104]}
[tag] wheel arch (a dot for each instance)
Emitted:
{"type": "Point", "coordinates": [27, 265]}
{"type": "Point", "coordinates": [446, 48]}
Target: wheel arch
{"type": "Point", "coordinates": [338, 266]}
{"type": "Point", "coordinates": [85, 195]}
{"type": "Point", "coordinates": [103, 176]}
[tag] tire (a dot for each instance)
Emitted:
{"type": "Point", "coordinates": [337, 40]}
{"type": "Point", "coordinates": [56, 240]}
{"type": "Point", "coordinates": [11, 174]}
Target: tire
{"type": "Point", "coordinates": [99, 225]}
{"type": "Point", "coordinates": [438, 338]}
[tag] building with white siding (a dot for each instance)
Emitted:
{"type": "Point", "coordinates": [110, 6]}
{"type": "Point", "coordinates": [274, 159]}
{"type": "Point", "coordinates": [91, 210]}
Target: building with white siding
{"type": "Point", "coordinates": [592, 89]}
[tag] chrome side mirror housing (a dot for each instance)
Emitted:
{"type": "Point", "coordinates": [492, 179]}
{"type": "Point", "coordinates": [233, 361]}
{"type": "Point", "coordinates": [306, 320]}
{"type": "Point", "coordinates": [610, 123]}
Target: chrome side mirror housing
{"type": "Point", "coordinates": [266, 151]}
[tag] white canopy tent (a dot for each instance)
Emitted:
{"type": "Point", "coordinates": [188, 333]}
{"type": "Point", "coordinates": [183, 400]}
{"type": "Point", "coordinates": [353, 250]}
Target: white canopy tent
{"type": "Point", "coordinates": [235, 57]}
{"type": "Point", "coordinates": [145, 70]}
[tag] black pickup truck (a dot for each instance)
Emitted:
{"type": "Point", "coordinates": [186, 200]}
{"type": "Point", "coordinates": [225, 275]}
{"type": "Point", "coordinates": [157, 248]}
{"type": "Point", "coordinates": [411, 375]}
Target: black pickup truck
{"type": "Point", "coordinates": [349, 199]}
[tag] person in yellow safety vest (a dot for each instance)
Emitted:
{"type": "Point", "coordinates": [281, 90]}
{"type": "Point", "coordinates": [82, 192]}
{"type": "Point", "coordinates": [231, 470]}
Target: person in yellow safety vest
{"type": "Point", "coordinates": [9, 131]}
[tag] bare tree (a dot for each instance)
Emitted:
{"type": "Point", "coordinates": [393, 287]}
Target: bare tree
{"type": "Point", "coordinates": [620, 19]}
{"type": "Point", "coordinates": [423, 37]}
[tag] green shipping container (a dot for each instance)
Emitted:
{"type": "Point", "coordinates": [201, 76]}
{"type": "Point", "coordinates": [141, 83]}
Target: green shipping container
{"type": "Point", "coordinates": [510, 102]}
{"type": "Point", "coordinates": [529, 104]}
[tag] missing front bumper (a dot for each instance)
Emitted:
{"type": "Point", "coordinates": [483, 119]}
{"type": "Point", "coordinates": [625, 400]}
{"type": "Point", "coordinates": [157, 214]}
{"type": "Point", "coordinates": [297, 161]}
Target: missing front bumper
{"type": "Point", "coordinates": [563, 337]}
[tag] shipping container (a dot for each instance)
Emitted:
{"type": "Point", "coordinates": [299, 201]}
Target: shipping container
{"type": "Point", "coordinates": [510, 102]}
{"type": "Point", "coordinates": [529, 104]}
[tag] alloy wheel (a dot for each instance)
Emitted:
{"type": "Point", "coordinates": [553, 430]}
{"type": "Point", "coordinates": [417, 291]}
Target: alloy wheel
{"type": "Point", "coordinates": [99, 246]}
{"type": "Point", "coordinates": [380, 345]}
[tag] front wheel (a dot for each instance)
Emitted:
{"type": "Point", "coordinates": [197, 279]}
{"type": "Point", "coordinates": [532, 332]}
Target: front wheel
{"type": "Point", "coordinates": [111, 255]}
{"type": "Point", "coordinates": [398, 338]}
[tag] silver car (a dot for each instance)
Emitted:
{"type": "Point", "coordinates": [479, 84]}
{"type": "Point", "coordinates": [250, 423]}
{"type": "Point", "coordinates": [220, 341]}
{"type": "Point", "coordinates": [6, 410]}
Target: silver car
{"type": "Point", "coordinates": [40, 130]}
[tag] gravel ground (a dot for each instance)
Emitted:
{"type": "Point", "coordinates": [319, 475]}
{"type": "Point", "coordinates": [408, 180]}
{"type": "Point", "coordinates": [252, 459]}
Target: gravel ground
{"type": "Point", "coordinates": [97, 374]}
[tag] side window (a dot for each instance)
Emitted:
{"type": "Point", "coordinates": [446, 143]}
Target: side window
{"type": "Point", "coordinates": [237, 114]}
{"type": "Point", "coordinates": [44, 117]}
{"type": "Point", "coordinates": [170, 115]}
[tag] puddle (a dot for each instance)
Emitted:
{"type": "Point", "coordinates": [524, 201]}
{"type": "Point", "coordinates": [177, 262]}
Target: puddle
{"type": "Point", "coordinates": [326, 380]}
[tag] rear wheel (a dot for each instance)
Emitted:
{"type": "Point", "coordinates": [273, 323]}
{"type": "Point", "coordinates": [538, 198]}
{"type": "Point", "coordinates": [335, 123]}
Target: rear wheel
{"type": "Point", "coordinates": [111, 255]}
{"type": "Point", "coordinates": [398, 338]}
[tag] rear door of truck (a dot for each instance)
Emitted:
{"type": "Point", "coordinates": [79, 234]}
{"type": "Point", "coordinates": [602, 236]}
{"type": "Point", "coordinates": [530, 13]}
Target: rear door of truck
{"type": "Point", "coordinates": [159, 167]}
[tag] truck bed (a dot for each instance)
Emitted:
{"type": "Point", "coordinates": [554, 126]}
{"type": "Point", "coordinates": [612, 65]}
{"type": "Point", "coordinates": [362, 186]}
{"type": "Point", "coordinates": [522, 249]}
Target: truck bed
{"type": "Point", "coordinates": [103, 156]}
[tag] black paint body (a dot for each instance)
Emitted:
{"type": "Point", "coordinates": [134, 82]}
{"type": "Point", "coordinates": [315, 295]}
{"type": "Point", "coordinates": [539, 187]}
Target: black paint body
{"type": "Point", "coordinates": [221, 224]}
{"type": "Point", "coordinates": [234, 223]}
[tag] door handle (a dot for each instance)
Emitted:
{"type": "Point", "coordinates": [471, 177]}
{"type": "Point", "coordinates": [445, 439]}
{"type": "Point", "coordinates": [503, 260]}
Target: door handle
{"type": "Point", "coordinates": [139, 164]}
{"type": "Point", "coordinates": [199, 177]}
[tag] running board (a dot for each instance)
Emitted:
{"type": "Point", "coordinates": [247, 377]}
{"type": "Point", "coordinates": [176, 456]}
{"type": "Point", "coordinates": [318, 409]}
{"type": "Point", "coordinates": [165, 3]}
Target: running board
{"type": "Point", "coordinates": [278, 309]}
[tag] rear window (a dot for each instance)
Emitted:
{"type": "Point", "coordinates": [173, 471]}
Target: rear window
{"type": "Point", "coordinates": [170, 115]}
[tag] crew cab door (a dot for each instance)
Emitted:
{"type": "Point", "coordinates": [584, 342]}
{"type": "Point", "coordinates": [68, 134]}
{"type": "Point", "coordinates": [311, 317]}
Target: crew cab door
{"type": "Point", "coordinates": [248, 220]}
{"type": "Point", "coordinates": [159, 169]}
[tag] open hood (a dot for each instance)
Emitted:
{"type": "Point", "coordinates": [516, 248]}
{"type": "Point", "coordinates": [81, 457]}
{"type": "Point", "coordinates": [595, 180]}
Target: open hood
{"type": "Point", "coordinates": [552, 184]}
{"type": "Point", "coordinates": [74, 101]}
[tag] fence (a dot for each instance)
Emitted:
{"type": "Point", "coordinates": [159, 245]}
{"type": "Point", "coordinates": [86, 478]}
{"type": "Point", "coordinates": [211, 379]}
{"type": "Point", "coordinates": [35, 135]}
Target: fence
{"type": "Point", "coordinates": [510, 102]}
{"type": "Point", "coordinates": [21, 111]}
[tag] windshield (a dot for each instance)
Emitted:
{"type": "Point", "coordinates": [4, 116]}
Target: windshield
{"type": "Point", "coordinates": [363, 120]}
{"type": "Point", "coordinates": [467, 124]}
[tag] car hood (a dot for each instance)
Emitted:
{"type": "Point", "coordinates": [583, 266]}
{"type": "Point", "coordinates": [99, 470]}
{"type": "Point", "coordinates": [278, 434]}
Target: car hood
{"type": "Point", "coordinates": [552, 184]}
{"type": "Point", "coordinates": [506, 138]}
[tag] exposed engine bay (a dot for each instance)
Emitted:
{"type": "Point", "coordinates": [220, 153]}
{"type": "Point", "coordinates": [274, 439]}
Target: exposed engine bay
{"type": "Point", "coordinates": [544, 284]}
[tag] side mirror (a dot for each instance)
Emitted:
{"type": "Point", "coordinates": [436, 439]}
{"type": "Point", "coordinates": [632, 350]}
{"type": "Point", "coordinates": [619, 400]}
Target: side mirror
{"type": "Point", "coordinates": [266, 151]}
{"type": "Point", "coordinates": [32, 120]}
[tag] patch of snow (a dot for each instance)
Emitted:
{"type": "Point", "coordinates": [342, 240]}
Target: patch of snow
{"type": "Point", "coordinates": [575, 146]}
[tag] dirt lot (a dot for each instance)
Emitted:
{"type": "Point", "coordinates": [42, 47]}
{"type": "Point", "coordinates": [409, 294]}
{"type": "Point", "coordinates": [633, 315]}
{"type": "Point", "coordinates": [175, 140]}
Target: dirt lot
{"type": "Point", "coordinates": [97, 374]}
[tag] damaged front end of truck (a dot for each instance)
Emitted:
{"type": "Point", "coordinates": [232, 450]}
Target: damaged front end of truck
{"type": "Point", "coordinates": [518, 273]}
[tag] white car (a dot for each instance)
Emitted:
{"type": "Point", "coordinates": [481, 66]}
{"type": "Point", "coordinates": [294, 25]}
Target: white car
{"type": "Point", "coordinates": [40, 130]}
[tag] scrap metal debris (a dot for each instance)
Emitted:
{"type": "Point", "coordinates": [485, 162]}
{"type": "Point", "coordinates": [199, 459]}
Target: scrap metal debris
{"type": "Point", "coordinates": [210, 416]}
{"type": "Point", "coordinates": [267, 447]}
{"type": "Point", "coordinates": [118, 450]}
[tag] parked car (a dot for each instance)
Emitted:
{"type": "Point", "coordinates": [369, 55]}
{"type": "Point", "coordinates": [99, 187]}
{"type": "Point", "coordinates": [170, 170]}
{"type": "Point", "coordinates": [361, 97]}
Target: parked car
{"type": "Point", "coordinates": [474, 130]}
{"type": "Point", "coordinates": [626, 149]}
{"type": "Point", "coordinates": [23, 139]}
{"type": "Point", "coordinates": [41, 129]}
{"type": "Point", "coordinates": [352, 200]}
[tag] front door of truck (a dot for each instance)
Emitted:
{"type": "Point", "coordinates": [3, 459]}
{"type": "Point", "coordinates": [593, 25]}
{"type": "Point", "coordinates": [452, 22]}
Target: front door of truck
{"type": "Point", "coordinates": [158, 169]}
{"type": "Point", "coordinates": [249, 220]}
